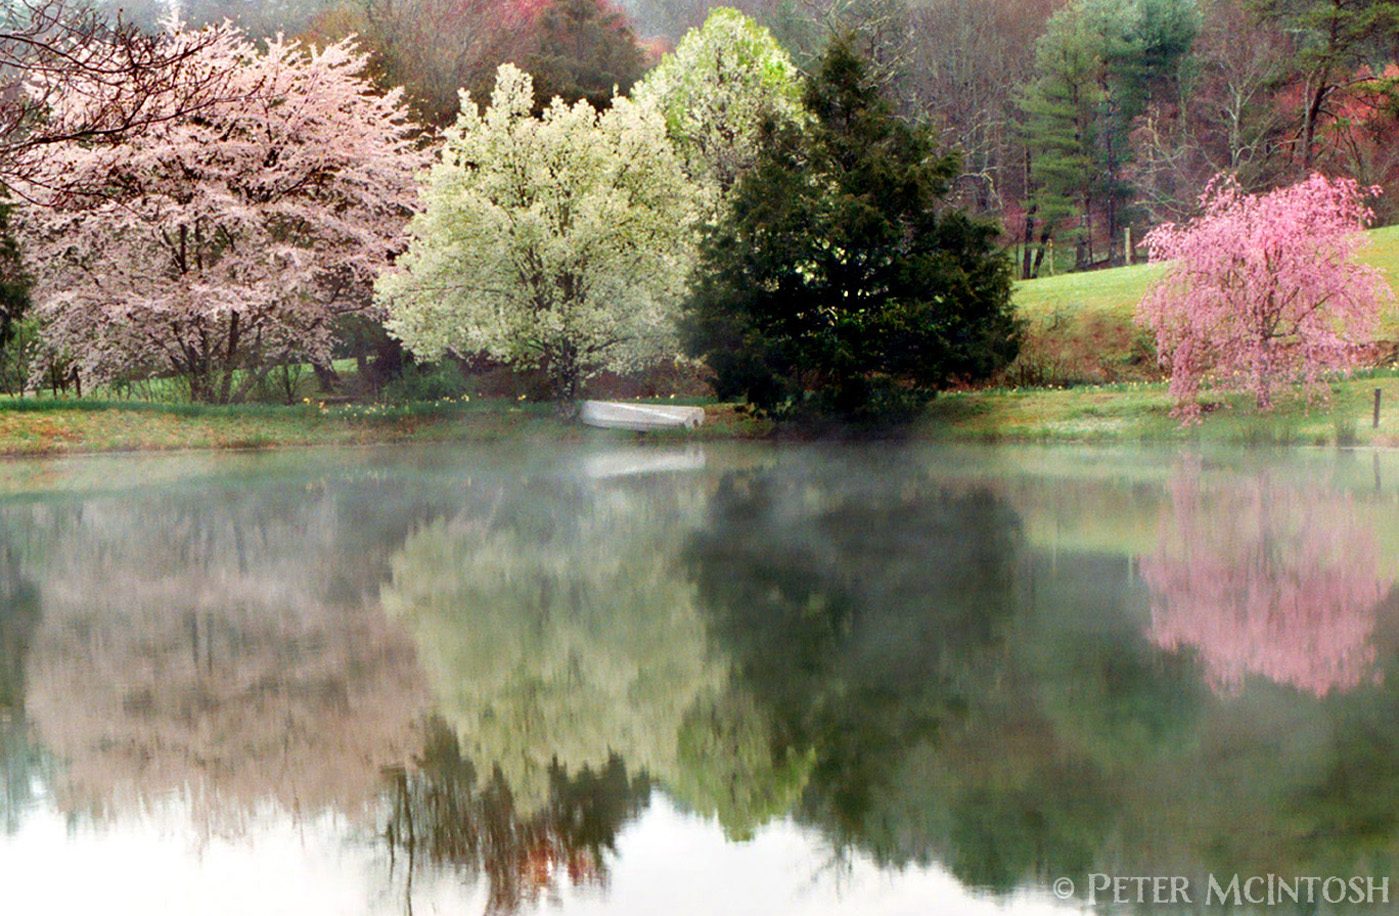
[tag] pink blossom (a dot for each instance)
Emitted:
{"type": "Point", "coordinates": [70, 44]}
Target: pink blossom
{"type": "Point", "coordinates": [226, 239]}
{"type": "Point", "coordinates": [1263, 290]}
{"type": "Point", "coordinates": [1268, 580]}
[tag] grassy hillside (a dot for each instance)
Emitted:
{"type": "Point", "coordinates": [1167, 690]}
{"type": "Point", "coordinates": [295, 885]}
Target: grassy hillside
{"type": "Point", "coordinates": [1080, 325]}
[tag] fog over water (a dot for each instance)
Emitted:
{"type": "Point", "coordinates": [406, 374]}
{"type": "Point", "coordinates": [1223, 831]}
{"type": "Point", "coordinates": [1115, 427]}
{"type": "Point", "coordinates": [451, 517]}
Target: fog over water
{"type": "Point", "coordinates": [731, 678]}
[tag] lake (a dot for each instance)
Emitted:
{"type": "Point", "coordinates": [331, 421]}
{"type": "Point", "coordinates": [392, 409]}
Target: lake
{"type": "Point", "coordinates": [604, 678]}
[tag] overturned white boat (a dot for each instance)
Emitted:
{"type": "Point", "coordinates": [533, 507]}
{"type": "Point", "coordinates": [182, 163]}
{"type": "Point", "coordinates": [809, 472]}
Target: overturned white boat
{"type": "Point", "coordinates": [639, 417]}
{"type": "Point", "coordinates": [639, 460]}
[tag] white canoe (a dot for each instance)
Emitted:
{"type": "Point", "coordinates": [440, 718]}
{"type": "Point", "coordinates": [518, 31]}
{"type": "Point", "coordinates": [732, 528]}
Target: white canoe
{"type": "Point", "coordinates": [639, 417]}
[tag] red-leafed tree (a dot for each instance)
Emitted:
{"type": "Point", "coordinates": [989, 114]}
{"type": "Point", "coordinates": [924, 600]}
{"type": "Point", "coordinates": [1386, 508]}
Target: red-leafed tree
{"type": "Point", "coordinates": [224, 243]}
{"type": "Point", "coordinates": [1263, 289]}
{"type": "Point", "coordinates": [1362, 139]}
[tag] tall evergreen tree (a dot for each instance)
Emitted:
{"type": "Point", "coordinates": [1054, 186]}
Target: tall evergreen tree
{"type": "Point", "coordinates": [841, 283]}
{"type": "Point", "coordinates": [1060, 124]}
{"type": "Point", "coordinates": [1098, 65]}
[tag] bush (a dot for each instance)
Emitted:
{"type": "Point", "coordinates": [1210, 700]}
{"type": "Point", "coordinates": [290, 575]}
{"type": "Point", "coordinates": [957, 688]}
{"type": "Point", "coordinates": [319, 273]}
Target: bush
{"type": "Point", "coordinates": [427, 382]}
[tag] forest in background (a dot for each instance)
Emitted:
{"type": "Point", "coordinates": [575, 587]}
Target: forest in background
{"type": "Point", "coordinates": [1080, 124]}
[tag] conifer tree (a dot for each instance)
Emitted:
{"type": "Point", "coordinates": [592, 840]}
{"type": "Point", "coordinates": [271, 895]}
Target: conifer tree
{"type": "Point", "coordinates": [840, 282]}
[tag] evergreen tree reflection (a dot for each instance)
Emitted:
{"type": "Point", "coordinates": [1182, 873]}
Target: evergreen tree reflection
{"type": "Point", "coordinates": [859, 604]}
{"type": "Point", "coordinates": [445, 812]}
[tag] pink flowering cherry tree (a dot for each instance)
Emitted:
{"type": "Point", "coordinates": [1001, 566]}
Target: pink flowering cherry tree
{"type": "Point", "coordinates": [1262, 290]}
{"type": "Point", "coordinates": [218, 244]}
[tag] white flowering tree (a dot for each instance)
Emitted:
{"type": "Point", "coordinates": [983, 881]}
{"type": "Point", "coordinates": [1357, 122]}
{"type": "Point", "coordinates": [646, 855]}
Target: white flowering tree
{"type": "Point", "coordinates": [717, 90]}
{"type": "Point", "coordinates": [217, 243]}
{"type": "Point", "coordinates": [561, 242]}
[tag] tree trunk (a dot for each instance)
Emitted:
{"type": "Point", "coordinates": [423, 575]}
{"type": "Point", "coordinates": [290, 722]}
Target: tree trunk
{"type": "Point", "coordinates": [1029, 234]}
{"type": "Point", "coordinates": [1028, 239]}
{"type": "Point", "coordinates": [566, 378]}
{"type": "Point", "coordinates": [326, 375]}
{"type": "Point", "coordinates": [230, 359]}
{"type": "Point", "coordinates": [1039, 255]}
{"type": "Point", "coordinates": [1309, 129]}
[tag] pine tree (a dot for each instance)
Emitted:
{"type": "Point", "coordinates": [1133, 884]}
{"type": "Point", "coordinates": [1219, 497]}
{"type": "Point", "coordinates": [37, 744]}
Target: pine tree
{"type": "Point", "coordinates": [841, 283]}
{"type": "Point", "coordinates": [1097, 65]}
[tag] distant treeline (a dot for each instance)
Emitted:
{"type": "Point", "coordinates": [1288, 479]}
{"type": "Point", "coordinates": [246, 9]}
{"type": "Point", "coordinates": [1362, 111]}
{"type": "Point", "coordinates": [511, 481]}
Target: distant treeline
{"type": "Point", "coordinates": [1075, 120]}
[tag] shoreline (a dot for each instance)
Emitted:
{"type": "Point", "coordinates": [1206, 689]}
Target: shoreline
{"type": "Point", "coordinates": [1131, 413]}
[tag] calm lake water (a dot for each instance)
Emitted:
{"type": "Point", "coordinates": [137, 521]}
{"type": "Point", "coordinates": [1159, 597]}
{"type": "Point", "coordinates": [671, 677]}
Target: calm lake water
{"type": "Point", "coordinates": [736, 679]}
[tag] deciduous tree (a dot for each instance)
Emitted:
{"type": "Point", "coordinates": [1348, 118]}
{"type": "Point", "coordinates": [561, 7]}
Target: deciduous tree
{"type": "Point", "coordinates": [229, 241]}
{"type": "Point", "coordinates": [1263, 289]}
{"type": "Point", "coordinates": [724, 83]}
{"type": "Point", "coordinates": [1331, 41]}
{"type": "Point", "coordinates": [53, 49]}
{"type": "Point", "coordinates": [561, 242]}
{"type": "Point", "coordinates": [434, 48]}
{"type": "Point", "coordinates": [585, 49]}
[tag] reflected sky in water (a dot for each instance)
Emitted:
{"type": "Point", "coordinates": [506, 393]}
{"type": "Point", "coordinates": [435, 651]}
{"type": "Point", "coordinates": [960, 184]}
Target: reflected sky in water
{"type": "Point", "coordinates": [615, 678]}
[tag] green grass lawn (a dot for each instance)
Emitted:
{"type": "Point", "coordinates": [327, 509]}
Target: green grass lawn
{"type": "Point", "coordinates": [1137, 412]}
{"type": "Point", "coordinates": [1080, 326]}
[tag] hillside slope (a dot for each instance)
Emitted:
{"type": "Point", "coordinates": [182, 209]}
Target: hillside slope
{"type": "Point", "coordinates": [1080, 325]}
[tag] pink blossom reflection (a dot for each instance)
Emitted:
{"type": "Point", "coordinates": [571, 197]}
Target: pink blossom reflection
{"type": "Point", "coordinates": [201, 658]}
{"type": "Point", "coordinates": [1264, 578]}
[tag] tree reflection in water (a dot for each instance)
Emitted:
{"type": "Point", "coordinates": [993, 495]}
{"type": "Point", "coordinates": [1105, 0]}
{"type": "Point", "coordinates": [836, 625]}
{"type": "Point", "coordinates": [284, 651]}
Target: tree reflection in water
{"type": "Point", "coordinates": [213, 654]}
{"type": "Point", "coordinates": [568, 660]}
{"type": "Point", "coordinates": [1266, 578]}
{"type": "Point", "coordinates": [20, 760]}
{"type": "Point", "coordinates": [859, 599]}
{"type": "Point", "coordinates": [552, 627]}
{"type": "Point", "coordinates": [968, 699]}
{"type": "Point", "coordinates": [447, 813]}
{"type": "Point", "coordinates": [885, 649]}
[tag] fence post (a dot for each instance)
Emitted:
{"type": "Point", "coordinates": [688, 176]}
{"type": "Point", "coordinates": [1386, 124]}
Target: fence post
{"type": "Point", "coordinates": [1378, 392]}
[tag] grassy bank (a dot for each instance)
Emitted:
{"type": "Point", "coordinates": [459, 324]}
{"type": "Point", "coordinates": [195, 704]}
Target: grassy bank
{"type": "Point", "coordinates": [1121, 413]}
{"type": "Point", "coordinates": [55, 427]}
{"type": "Point", "coordinates": [1132, 412]}
{"type": "Point", "coordinates": [1080, 327]}
{"type": "Point", "coordinates": [1080, 331]}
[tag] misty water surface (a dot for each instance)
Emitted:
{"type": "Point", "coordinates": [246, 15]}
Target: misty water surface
{"type": "Point", "coordinates": [738, 679]}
